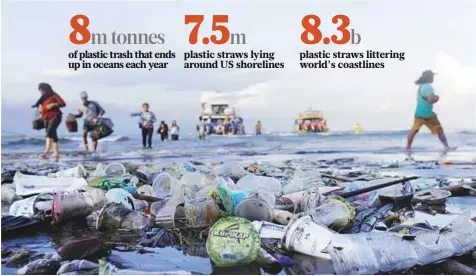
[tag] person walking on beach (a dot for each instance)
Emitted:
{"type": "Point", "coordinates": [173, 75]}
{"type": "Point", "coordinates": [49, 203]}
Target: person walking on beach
{"type": "Point", "coordinates": [163, 131]}
{"type": "Point", "coordinates": [258, 128]}
{"type": "Point", "coordinates": [91, 112]}
{"type": "Point", "coordinates": [424, 114]}
{"type": "Point", "coordinates": [147, 120]}
{"type": "Point", "coordinates": [50, 103]}
{"type": "Point", "coordinates": [201, 129]}
{"type": "Point", "coordinates": [174, 131]}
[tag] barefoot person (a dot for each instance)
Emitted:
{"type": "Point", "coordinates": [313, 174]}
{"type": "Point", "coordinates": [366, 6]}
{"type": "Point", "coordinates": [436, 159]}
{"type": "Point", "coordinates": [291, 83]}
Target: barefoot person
{"type": "Point", "coordinates": [90, 111]}
{"type": "Point", "coordinates": [258, 128]}
{"type": "Point", "coordinates": [51, 114]}
{"type": "Point", "coordinates": [163, 131]}
{"type": "Point", "coordinates": [424, 115]}
{"type": "Point", "coordinates": [147, 120]}
{"type": "Point", "coordinates": [174, 131]}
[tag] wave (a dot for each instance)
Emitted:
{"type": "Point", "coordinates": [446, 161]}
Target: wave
{"type": "Point", "coordinates": [19, 140]}
{"type": "Point", "coordinates": [467, 132]}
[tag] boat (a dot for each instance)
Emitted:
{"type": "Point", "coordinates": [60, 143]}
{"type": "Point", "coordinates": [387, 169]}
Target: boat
{"type": "Point", "coordinates": [220, 118]}
{"type": "Point", "coordinates": [311, 121]}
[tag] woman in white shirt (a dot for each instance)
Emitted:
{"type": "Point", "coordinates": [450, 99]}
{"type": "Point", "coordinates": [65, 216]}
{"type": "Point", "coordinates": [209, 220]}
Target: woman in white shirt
{"type": "Point", "coordinates": [174, 131]}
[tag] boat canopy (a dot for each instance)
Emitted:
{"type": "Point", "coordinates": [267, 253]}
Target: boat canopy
{"type": "Point", "coordinates": [311, 115]}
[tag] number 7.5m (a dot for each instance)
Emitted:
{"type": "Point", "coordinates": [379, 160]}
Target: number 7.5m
{"type": "Point", "coordinates": [218, 22]}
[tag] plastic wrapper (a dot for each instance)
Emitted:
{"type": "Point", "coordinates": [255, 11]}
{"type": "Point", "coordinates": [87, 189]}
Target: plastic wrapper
{"type": "Point", "coordinates": [268, 230]}
{"type": "Point", "coordinates": [392, 252]}
{"type": "Point", "coordinates": [312, 199]}
{"type": "Point", "coordinates": [78, 171]}
{"type": "Point", "coordinates": [461, 233]}
{"type": "Point", "coordinates": [432, 247]}
{"type": "Point", "coordinates": [9, 193]}
{"type": "Point", "coordinates": [369, 253]}
{"type": "Point", "coordinates": [351, 255]}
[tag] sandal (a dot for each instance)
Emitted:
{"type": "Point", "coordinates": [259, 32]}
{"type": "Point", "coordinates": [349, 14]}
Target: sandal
{"type": "Point", "coordinates": [56, 157]}
{"type": "Point", "coordinates": [44, 156]}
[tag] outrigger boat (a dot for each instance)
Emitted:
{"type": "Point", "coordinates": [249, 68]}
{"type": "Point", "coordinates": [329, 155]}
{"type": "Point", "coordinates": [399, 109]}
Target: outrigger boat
{"type": "Point", "coordinates": [220, 118]}
{"type": "Point", "coordinates": [311, 121]}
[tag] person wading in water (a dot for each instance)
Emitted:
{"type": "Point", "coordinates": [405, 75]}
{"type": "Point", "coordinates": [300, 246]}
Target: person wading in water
{"type": "Point", "coordinates": [424, 115]}
{"type": "Point", "coordinates": [147, 120]}
{"type": "Point", "coordinates": [50, 103]}
{"type": "Point", "coordinates": [91, 112]}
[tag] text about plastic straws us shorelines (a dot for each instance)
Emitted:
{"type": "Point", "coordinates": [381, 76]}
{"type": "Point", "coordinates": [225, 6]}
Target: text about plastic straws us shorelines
{"type": "Point", "coordinates": [117, 60]}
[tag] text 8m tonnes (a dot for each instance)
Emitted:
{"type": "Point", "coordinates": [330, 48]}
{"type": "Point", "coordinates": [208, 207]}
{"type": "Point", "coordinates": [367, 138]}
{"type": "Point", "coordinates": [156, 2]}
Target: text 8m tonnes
{"type": "Point", "coordinates": [128, 38]}
{"type": "Point", "coordinates": [81, 35]}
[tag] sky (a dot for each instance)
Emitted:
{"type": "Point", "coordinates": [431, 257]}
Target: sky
{"type": "Point", "coordinates": [437, 35]}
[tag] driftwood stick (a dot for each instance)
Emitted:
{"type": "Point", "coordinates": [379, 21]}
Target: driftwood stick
{"type": "Point", "coordinates": [458, 268]}
{"type": "Point", "coordinates": [146, 197]}
{"type": "Point", "coordinates": [376, 187]}
{"type": "Point", "coordinates": [340, 178]}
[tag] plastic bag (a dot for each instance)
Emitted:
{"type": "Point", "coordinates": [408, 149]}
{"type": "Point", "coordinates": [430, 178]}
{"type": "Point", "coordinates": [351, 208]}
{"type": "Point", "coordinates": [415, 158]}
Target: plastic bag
{"type": "Point", "coordinates": [253, 182]}
{"type": "Point", "coordinates": [351, 255]}
{"type": "Point", "coordinates": [461, 233]}
{"type": "Point", "coordinates": [232, 170]}
{"type": "Point", "coordinates": [431, 247]}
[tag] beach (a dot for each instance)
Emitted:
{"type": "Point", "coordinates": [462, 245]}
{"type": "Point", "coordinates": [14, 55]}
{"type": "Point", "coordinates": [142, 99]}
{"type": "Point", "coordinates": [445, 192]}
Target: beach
{"type": "Point", "coordinates": [371, 152]}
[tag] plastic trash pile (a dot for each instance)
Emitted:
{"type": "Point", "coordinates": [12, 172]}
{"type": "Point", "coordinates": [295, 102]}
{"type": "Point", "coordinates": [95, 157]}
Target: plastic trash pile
{"type": "Point", "coordinates": [303, 216]}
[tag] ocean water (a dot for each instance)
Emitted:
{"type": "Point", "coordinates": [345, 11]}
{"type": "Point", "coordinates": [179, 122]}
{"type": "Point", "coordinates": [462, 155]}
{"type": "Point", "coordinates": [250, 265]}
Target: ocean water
{"type": "Point", "coordinates": [368, 148]}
